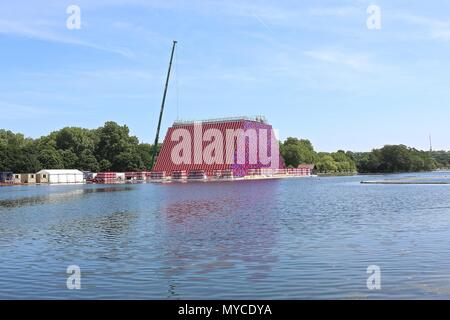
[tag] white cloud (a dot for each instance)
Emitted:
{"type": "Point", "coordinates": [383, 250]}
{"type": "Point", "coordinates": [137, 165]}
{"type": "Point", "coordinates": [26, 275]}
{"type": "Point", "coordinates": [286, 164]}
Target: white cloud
{"type": "Point", "coordinates": [336, 11]}
{"type": "Point", "coordinates": [22, 29]}
{"type": "Point", "coordinates": [13, 111]}
{"type": "Point", "coordinates": [435, 29]}
{"type": "Point", "coordinates": [355, 61]}
{"type": "Point", "coordinates": [119, 74]}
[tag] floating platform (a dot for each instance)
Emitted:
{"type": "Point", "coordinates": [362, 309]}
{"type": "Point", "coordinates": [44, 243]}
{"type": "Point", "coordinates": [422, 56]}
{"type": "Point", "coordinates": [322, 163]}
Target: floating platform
{"type": "Point", "coordinates": [412, 181]}
{"type": "Point", "coordinates": [221, 177]}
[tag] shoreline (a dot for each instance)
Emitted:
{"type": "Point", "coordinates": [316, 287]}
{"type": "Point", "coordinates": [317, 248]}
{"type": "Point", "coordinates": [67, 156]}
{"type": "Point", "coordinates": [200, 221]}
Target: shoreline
{"type": "Point", "coordinates": [246, 178]}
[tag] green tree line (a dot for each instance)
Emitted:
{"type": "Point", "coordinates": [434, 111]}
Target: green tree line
{"type": "Point", "coordinates": [301, 151]}
{"type": "Point", "coordinates": [397, 158]}
{"type": "Point", "coordinates": [111, 148]}
{"type": "Point", "coordinates": [389, 159]}
{"type": "Point", "coordinates": [107, 148]}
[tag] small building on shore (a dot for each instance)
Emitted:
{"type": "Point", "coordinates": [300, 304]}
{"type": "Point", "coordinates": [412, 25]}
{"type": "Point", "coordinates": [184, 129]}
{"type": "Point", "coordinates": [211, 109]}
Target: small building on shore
{"type": "Point", "coordinates": [306, 169]}
{"type": "Point", "coordinates": [28, 178]}
{"type": "Point", "coordinates": [17, 178]}
{"type": "Point", "coordinates": [62, 176]}
{"type": "Point", "coordinates": [41, 178]}
{"type": "Point", "coordinates": [88, 175]}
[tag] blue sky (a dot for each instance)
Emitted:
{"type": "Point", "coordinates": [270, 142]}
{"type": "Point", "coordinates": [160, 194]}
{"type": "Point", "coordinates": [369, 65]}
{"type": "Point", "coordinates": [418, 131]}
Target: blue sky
{"type": "Point", "coordinates": [312, 68]}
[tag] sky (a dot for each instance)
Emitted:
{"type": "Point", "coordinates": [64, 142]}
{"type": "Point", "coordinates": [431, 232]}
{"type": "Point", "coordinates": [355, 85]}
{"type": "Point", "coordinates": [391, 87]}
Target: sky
{"type": "Point", "coordinates": [313, 68]}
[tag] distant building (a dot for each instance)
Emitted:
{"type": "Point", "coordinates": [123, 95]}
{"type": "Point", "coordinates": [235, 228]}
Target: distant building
{"type": "Point", "coordinates": [28, 178]}
{"type": "Point", "coordinates": [41, 178]}
{"type": "Point", "coordinates": [17, 178]}
{"type": "Point", "coordinates": [62, 176]}
{"type": "Point", "coordinates": [306, 169]}
{"type": "Point", "coordinates": [88, 175]}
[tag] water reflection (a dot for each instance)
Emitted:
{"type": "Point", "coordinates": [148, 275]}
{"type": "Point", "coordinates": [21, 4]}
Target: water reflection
{"type": "Point", "coordinates": [56, 197]}
{"type": "Point", "coordinates": [219, 231]}
{"type": "Point", "coordinates": [106, 227]}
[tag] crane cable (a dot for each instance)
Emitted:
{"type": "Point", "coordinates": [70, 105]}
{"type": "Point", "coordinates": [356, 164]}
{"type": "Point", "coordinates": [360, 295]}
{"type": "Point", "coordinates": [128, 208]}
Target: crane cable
{"type": "Point", "coordinates": [176, 85]}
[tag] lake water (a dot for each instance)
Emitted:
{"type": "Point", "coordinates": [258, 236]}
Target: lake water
{"type": "Point", "coordinates": [307, 238]}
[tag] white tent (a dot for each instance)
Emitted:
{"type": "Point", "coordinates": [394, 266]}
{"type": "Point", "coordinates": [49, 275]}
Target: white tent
{"type": "Point", "coordinates": [63, 176]}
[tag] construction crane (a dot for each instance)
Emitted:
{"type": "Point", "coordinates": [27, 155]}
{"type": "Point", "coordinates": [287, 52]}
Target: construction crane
{"type": "Point", "coordinates": [155, 146]}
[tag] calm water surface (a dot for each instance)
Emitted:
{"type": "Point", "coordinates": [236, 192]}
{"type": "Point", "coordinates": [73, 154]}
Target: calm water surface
{"type": "Point", "coordinates": [277, 239]}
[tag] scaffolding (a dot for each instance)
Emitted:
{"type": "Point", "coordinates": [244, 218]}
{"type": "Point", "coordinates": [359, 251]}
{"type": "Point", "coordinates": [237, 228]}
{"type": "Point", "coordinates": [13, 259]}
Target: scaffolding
{"type": "Point", "coordinates": [260, 119]}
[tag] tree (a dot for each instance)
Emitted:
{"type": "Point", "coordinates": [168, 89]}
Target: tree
{"type": "Point", "coordinates": [74, 139]}
{"type": "Point", "coordinates": [145, 153]}
{"type": "Point", "coordinates": [50, 159]}
{"type": "Point", "coordinates": [327, 165]}
{"type": "Point", "coordinates": [88, 162]}
{"type": "Point", "coordinates": [17, 153]}
{"type": "Point", "coordinates": [69, 159]}
{"type": "Point", "coordinates": [295, 152]}
{"type": "Point", "coordinates": [104, 165]}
